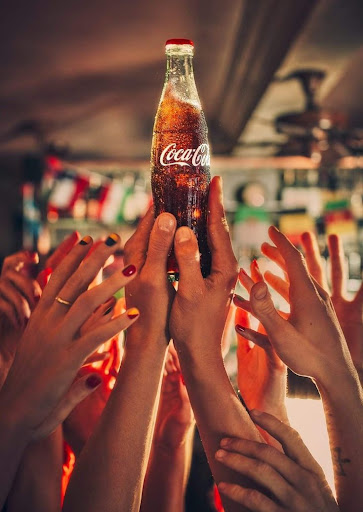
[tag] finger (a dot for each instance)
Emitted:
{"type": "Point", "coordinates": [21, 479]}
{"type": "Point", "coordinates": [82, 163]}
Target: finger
{"type": "Point", "coordinates": [242, 320]}
{"type": "Point", "coordinates": [336, 254]}
{"type": "Point", "coordinates": [100, 334]}
{"type": "Point", "coordinates": [278, 284]}
{"type": "Point", "coordinates": [62, 250]}
{"type": "Point", "coordinates": [17, 260]}
{"type": "Point", "coordinates": [64, 270]}
{"type": "Point", "coordinates": [245, 280]}
{"type": "Point", "coordinates": [160, 243]}
{"type": "Point", "coordinates": [289, 439]}
{"type": "Point", "coordinates": [79, 390]}
{"type": "Point", "coordinates": [188, 258]}
{"type": "Point", "coordinates": [313, 258]}
{"type": "Point", "coordinates": [242, 303]}
{"type": "Point", "coordinates": [264, 309]}
{"type": "Point", "coordinates": [43, 277]}
{"type": "Point", "coordinates": [272, 253]}
{"type": "Point", "coordinates": [16, 300]}
{"type": "Point", "coordinates": [7, 311]}
{"type": "Point", "coordinates": [102, 313]}
{"type": "Point", "coordinates": [90, 300]}
{"type": "Point", "coordinates": [136, 247]}
{"type": "Point", "coordinates": [260, 472]}
{"type": "Point", "coordinates": [96, 357]}
{"type": "Point", "coordinates": [252, 499]}
{"type": "Point", "coordinates": [86, 273]}
{"type": "Point", "coordinates": [223, 259]}
{"type": "Point", "coordinates": [267, 454]}
{"type": "Point", "coordinates": [294, 260]}
{"type": "Point", "coordinates": [29, 288]}
{"type": "Point", "coordinates": [256, 337]}
{"type": "Point", "coordinates": [255, 272]}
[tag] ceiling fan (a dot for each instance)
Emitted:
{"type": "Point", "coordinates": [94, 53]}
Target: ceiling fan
{"type": "Point", "coordinates": [320, 134]}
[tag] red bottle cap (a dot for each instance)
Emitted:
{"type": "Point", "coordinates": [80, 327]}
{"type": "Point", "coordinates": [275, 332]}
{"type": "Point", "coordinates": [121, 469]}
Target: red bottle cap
{"type": "Point", "coordinates": [179, 41]}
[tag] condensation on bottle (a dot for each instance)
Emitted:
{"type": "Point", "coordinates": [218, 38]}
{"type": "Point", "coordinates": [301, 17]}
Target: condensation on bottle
{"type": "Point", "coordinates": [180, 157]}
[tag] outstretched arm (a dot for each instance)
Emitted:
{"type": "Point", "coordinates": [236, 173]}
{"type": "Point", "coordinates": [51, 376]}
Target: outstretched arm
{"type": "Point", "coordinates": [197, 320]}
{"type": "Point", "coordinates": [110, 472]}
{"type": "Point", "coordinates": [311, 343]}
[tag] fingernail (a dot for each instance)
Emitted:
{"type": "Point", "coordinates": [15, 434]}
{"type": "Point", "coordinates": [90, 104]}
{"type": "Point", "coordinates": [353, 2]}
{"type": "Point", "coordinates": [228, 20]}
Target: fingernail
{"type": "Point", "coordinates": [112, 239]}
{"type": "Point", "coordinates": [85, 240]}
{"type": "Point", "coordinates": [260, 292]}
{"type": "Point", "coordinates": [93, 381]}
{"type": "Point", "coordinates": [220, 454]}
{"type": "Point", "coordinates": [226, 441]}
{"type": "Point", "coordinates": [256, 412]}
{"type": "Point", "coordinates": [132, 313]}
{"type": "Point", "coordinates": [108, 311]}
{"type": "Point", "coordinates": [240, 328]}
{"type": "Point", "coordinates": [183, 235]}
{"type": "Point", "coordinates": [182, 379]}
{"type": "Point", "coordinates": [166, 222]}
{"type": "Point", "coordinates": [129, 270]}
{"type": "Point", "coordinates": [243, 271]}
{"type": "Point", "coordinates": [237, 298]}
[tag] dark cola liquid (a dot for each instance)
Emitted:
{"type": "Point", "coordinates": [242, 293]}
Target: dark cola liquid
{"type": "Point", "coordinates": [180, 173]}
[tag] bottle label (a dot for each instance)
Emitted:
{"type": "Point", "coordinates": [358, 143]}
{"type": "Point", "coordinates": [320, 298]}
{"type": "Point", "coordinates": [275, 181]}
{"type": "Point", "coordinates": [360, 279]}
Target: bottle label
{"type": "Point", "coordinates": [185, 157]}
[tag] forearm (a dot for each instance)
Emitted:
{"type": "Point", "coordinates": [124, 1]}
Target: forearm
{"type": "Point", "coordinates": [37, 485]}
{"type": "Point", "coordinates": [218, 411]}
{"type": "Point", "coordinates": [343, 404]}
{"type": "Point", "coordinates": [110, 472]}
{"type": "Point", "coordinates": [167, 476]}
{"type": "Point", "coordinates": [12, 446]}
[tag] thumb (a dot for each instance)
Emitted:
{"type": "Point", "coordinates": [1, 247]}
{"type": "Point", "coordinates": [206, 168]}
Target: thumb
{"type": "Point", "coordinates": [188, 258]}
{"type": "Point", "coordinates": [160, 242]}
{"type": "Point", "coordinates": [263, 308]}
{"type": "Point", "coordinates": [78, 391]}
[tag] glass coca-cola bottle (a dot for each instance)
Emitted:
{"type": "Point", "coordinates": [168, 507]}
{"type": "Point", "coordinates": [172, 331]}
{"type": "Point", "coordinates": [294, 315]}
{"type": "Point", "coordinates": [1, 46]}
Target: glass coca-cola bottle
{"type": "Point", "coordinates": [180, 161]}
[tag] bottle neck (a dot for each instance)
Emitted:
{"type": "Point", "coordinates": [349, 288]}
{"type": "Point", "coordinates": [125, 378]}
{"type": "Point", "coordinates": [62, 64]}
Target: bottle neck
{"type": "Point", "coordinates": [180, 75]}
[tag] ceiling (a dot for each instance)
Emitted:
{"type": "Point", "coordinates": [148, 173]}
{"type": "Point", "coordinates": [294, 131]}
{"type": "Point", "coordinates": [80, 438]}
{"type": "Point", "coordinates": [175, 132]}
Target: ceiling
{"type": "Point", "coordinates": [89, 74]}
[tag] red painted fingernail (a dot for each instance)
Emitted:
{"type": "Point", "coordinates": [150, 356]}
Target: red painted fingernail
{"type": "Point", "coordinates": [132, 313]}
{"type": "Point", "coordinates": [240, 328]}
{"type": "Point", "coordinates": [182, 379]}
{"type": "Point", "coordinates": [93, 381]}
{"type": "Point", "coordinates": [255, 264]}
{"type": "Point", "coordinates": [129, 270]}
{"type": "Point", "coordinates": [243, 271]}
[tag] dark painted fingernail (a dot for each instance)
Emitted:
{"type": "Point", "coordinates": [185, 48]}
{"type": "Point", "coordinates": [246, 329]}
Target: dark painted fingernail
{"type": "Point", "coordinates": [129, 270]}
{"type": "Point", "coordinates": [237, 298]}
{"type": "Point", "coordinates": [132, 313]}
{"type": "Point", "coordinates": [93, 381]}
{"type": "Point", "coordinates": [112, 239]}
{"type": "Point", "coordinates": [240, 328]}
{"type": "Point", "coordinates": [85, 240]}
{"type": "Point", "coordinates": [108, 311]}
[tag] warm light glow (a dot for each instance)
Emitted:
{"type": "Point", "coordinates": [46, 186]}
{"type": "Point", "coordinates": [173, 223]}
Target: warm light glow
{"type": "Point", "coordinates": [307, 417]}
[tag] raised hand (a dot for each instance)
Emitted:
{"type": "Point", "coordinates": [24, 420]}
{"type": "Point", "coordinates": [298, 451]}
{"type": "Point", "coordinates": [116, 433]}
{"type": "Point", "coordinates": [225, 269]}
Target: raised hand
{"type": "Point", "coordinates": [197, 320]}
{"type": "Point", "coordinates": [291, 481]}
{"type": "Point", "coordinates": [349, 312]}
{"type": "Point", "coordinates": [312, 343]}
{"type": "Point", "coordinates": [262, 376]}
{"type": "Point", "coordinates": [19, 294]}
{"type": "Point", "coordinates": [175, 416]}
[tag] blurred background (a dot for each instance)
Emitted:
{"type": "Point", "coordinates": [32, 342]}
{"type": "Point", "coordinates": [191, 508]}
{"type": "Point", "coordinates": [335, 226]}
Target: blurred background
{"type": "Point", "coordinates": [281, 86]}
